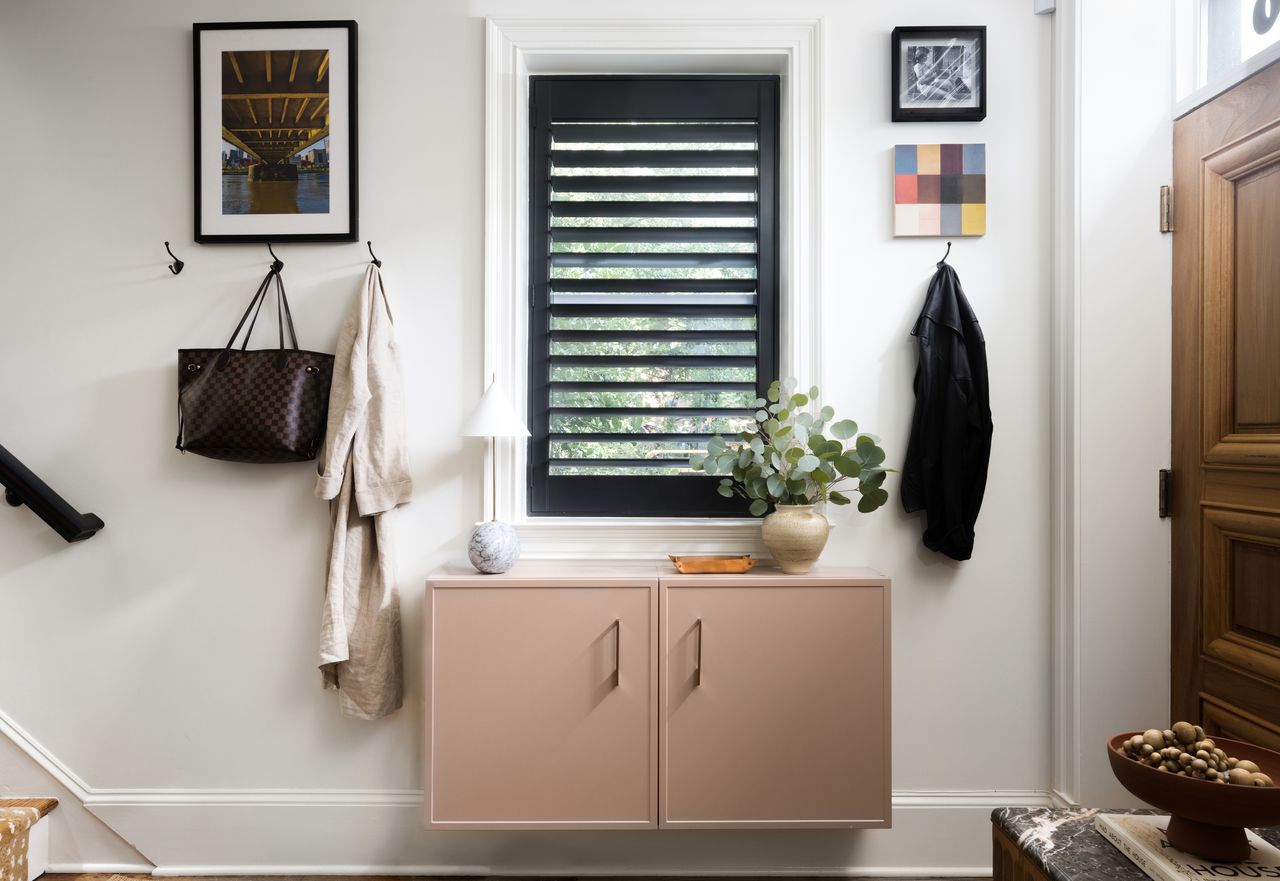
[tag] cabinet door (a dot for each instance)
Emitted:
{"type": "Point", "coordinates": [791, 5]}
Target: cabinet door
{"type": "Point", "coordinates": [541, 707]}
{"type": "Point", "coordinates": [775, 706]}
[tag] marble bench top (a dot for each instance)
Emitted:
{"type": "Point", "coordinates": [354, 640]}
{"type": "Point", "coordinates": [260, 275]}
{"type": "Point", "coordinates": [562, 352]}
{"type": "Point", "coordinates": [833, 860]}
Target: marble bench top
{"type": "Point", "coordinates": [1065, 846]}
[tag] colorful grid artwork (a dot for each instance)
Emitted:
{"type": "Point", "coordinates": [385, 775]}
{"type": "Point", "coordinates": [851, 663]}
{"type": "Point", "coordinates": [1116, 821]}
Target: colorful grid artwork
{"type": "Point", "coordinates": [940, 190]}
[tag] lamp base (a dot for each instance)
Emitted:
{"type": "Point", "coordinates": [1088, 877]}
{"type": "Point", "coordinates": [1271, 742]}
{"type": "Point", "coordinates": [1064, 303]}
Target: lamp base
{"type": "Point", "coordinates": [494, 547]}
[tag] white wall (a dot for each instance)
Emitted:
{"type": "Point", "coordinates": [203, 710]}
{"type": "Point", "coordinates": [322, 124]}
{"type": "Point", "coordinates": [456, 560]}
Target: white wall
{"type": "Point", "coordinates": [1125, 155]}
{"type": "Point", "coordinates": [179, 681]}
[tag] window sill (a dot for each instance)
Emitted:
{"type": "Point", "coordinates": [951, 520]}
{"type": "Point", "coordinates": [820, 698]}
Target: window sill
{"type": "Point", "coordinates": [608, 538]}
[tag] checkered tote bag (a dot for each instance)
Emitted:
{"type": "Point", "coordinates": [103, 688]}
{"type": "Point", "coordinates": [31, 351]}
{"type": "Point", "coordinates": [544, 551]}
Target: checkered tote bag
{"type": "Point", "coordinates": [254, 405]}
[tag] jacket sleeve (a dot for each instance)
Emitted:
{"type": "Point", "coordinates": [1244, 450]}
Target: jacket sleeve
{"type": "Point", "coordinates": [921, 461]}
{"type": "Point", "coordinates": [380, 456]}
{"type": "Point", "coordinates": [348, 396]}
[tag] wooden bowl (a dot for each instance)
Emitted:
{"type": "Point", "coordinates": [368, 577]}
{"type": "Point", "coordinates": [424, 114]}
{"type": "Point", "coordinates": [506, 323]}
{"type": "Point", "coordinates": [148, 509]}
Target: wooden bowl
{"type": "Point", "coordinates": [723, 564]}
{"type": "Point", "coordinates": [1205, 819]}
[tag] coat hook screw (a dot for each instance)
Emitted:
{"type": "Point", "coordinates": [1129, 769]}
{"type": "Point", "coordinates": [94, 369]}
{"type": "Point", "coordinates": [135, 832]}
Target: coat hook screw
{"type": "Point", "coordinates": [376, 261]}
{"type": "Point", "coordinates": [277, 263]}
{"type": "Point", "coordinates": [176, 266]}
{"type": "Point", "coordinates": [946, 255]}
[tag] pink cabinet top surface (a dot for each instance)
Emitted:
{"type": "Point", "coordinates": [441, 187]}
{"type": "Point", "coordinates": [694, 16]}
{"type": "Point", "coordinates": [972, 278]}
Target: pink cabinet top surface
{"type": "Point", "coordinates": [610, 573]}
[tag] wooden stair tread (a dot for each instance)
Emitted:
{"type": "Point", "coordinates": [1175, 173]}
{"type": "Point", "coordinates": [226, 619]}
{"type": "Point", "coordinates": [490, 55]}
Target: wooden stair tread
{"type": "Point", "coordinates": [43, 805]}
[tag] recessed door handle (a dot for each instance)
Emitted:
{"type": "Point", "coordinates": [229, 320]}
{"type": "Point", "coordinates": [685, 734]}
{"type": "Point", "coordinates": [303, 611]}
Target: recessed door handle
{"type": "Point", "coordinates": [617, 652]}
{"type": "Point", "coordinates": [697, 660]}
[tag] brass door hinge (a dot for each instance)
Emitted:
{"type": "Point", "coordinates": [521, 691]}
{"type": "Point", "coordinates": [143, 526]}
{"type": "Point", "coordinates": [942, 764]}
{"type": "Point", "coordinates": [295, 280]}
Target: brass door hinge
{"type": "Point", "coordinates": [1166, 209]}
{"type": "Point", "coordinates": [1163, 504]}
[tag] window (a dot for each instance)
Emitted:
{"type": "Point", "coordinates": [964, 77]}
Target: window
{"type": "Point", "coordinates": [1219, 42]}
{"type": "Point", "coordinates": [653, 285]}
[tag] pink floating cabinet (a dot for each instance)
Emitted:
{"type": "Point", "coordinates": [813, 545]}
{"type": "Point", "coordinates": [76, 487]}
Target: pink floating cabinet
{"type": "Point", "coordinates": [775, 700]}
{"type": "Point", "coordinates": [577, 696]}
{"type": "Point", "coordinates": [542, 699]}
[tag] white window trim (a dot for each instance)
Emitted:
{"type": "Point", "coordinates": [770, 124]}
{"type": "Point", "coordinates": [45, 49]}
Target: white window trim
{"type": "Point", "coordinates": [516, 48]}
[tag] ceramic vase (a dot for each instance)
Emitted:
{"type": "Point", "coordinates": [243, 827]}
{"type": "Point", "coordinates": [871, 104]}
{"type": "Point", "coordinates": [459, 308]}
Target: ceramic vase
{"type": "Point", "coordinates": [795, 535]}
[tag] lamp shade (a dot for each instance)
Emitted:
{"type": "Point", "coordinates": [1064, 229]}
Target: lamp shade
{"type": "Point", "coordinates": [494, 416]}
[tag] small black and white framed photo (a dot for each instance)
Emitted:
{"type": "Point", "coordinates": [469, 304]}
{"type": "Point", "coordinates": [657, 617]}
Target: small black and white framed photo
{"type": "Point", "coordinates": [275, 132]}
{"type": "Point", "coordinates": [939, 74]}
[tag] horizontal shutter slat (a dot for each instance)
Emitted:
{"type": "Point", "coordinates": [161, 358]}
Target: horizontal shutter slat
{"type": "Point", "coordinates": [631, 335]}
{"type": "Point", "coordinates": [707, 183]}
{"type": "Point", "coordinates": [663, 462]}
{"type": "Point", "coordinates": [650, 411]}
{"type": "Point", "coordinates": [625, 260]}
{"type": "Point", "coordinates": [587, 234]}
{"type": "Point", "coordinates": [562, 208]}
{"type": "Point", "coordinates": [595, 437]}
{"type": "Point", "coordinates": [655, 285]}
{"type": "Point", "coordinates": [653, 133]}
{"type": "Point", "coordinates": [640, 310]}
{"type": "Point", "coordinates": [655, 360]}
{"type": "Point", "coordinates": [653, 158]}
{"type": "Point", "coordinates": [654, 386]}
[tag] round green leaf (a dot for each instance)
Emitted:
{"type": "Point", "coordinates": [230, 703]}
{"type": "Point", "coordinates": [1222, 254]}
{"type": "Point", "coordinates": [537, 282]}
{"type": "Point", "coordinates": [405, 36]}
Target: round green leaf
{"type": "Point", "coordinates": [799, 399]}
{"type": "Point", "coordinates": [759, 506]}
{"type": "Point", "coordinates": [837, 498]}
{"type": "Point", "coordinates": [872, 500]}
{"type": "Point", "coordinates": [871, 480]}
{"type": "Point", "coordinates": [807, 463]}
{"type": "Point", "coordinates": [847, 466]}
{"type": "Point", "coordinates": [726, 491]}
{"type": "Point", "coordinates": [844, 429]}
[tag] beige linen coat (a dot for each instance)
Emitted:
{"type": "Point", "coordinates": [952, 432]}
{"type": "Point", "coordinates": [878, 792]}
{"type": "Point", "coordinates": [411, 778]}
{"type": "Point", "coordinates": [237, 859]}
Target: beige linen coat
{"type": "Point", "coordinates": [364, 473]}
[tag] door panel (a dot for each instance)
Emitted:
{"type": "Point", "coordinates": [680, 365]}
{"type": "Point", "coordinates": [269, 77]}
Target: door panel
{"type": "Point", "coordinates": [1226, 413]}
{"type": "Point", "coordinates": [542, 707]}
{"type": "Point", "coordinates": [776, 706]}
{"type": "Point", "coordinates": [1255, 601]}
{"type": "Point", "coordinates": [1257, 308]}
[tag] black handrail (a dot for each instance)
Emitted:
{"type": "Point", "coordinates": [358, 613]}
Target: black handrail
{"type": "Point", "coordinates": [21, 487]}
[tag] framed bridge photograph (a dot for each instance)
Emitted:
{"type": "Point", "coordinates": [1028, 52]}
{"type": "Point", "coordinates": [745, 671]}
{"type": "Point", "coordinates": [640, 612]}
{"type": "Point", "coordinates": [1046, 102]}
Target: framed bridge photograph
{"type": "Point", "coordinates": [275, 132]}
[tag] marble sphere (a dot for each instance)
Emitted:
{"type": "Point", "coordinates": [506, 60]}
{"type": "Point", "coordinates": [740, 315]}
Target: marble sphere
{"type": "Point", "coordinates": [494, 547]}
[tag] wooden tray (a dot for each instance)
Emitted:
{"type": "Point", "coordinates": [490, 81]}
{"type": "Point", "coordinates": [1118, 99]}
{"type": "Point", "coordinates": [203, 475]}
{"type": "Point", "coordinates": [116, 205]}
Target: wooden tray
{"type": "Point", "coordinates": [702, 564]}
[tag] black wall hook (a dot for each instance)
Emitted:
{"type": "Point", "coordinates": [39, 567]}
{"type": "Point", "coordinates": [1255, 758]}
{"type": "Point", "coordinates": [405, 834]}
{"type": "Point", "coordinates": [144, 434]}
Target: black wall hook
{"type": "Point", "coordinates": [946, 255]}
{"type": "Point", "coordinates": [176, 266]}
{"type": "Point", "coordinates": [376, 261]}
{"type": "Point", "coordinates": [278, 264]}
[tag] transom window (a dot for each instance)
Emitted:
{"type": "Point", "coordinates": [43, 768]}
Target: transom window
{"type": "Point", "coordinates": [653, 285]}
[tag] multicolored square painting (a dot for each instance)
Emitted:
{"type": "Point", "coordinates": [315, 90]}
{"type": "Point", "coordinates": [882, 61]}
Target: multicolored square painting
{"type": "Point", "coordinates": [940, 190]}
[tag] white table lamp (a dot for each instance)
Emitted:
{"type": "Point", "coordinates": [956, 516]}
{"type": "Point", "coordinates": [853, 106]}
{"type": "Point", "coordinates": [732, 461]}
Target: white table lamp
{"type": "Point", "coordinates": [494, 545]}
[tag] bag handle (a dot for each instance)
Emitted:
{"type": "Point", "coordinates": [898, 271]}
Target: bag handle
{"type": "Point", "coordinates": [255, 307]}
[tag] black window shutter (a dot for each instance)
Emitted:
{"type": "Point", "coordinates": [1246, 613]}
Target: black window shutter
{"type": "Point", "coordinates": [654, 286]}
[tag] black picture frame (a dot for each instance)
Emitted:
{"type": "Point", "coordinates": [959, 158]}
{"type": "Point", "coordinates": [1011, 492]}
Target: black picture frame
{"type": "Point", "coordinates": [325, 211]}
{"type": "Point", "coordinates": [953, 66]}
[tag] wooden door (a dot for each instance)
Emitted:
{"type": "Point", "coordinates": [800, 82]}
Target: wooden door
{"type": "Point", "coordinates": [1226, 413]}
{"type": "Point", "coordinates": [541, 704]}
{"type": "Point", "coordinates": [775, 702]}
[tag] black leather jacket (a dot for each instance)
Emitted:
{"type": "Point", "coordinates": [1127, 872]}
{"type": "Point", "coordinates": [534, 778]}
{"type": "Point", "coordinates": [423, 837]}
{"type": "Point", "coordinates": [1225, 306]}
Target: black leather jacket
{"type": "Point", "coordinates": [946, 468]}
